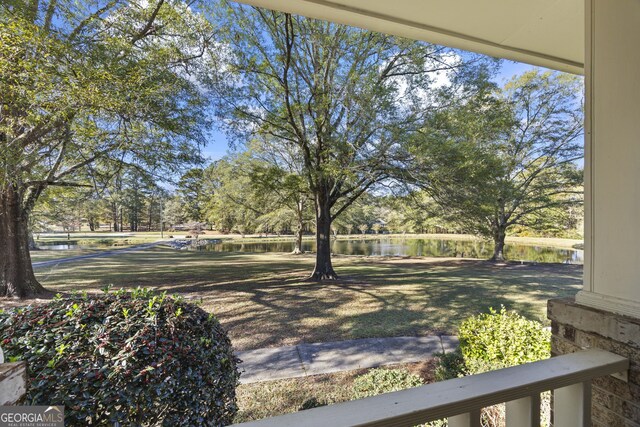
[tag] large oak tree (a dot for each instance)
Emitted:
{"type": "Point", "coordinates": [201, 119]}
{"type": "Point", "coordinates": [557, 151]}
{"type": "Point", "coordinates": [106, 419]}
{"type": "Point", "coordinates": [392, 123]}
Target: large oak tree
{"type": "Point", "coordinates": [344, 99]}
{"type": "Point", "coordinates": [87, 83]}
{"type": "Point", "coordinates": [504, 157]}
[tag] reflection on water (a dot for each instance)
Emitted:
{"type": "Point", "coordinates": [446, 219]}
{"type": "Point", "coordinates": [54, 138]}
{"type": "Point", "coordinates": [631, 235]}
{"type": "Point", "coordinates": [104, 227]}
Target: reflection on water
{"type": "Point", "coordinates": [63, 245]}
{"type": "Point", "coordinates": [57, 246]}
{"type": "Point", "coordinates": [412, 247]}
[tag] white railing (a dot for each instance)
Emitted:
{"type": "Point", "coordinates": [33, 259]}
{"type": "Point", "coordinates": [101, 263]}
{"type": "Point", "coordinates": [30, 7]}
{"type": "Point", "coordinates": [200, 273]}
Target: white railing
{"type": "Point", "coordinates": [460, 400]}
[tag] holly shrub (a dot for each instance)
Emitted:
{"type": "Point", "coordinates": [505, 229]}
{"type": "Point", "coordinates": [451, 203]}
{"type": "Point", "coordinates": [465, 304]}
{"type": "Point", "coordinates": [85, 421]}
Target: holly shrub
{"type": "Point", "coordinates": [125, 358]}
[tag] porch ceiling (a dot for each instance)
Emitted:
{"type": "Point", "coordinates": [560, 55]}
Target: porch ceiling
{"type": "Point", "coordinates": [548, 33]}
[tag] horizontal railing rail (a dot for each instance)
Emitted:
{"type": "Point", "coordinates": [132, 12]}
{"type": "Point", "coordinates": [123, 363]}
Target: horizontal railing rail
{"type": "Point", "coordinates": [460, 400]}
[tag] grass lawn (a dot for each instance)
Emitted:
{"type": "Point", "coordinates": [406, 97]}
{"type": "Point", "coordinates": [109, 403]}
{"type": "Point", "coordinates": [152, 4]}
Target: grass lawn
{"type": "Point", "coordinates": [272, 398]}
{"type": "Point", "coordinates": [263, 299]}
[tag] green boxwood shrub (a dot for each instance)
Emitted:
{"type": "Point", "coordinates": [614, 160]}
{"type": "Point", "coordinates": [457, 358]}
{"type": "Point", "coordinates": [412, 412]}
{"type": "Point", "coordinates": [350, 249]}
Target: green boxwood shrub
{"type": "Point", "coordinates": [380, 380]}
{"type": "Point", "coordinates": [501, 339]}
{"type": "Point", "coordinates": [492, 341]}
{"type": "Point", "coordinates": [125, 358]}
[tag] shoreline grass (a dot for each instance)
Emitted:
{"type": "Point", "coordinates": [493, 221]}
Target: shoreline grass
{"type": "Point", "coordinates": [143, 237]}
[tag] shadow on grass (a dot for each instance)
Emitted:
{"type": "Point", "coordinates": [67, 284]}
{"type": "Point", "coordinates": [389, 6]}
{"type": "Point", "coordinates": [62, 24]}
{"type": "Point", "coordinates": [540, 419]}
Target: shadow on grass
{"type": "Point", "coordinates": [263, 299]}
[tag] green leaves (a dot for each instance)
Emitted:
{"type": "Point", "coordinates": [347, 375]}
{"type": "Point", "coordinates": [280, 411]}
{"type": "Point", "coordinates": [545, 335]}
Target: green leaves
{"type": "Point", "coordinates": [121, 356]}
{"type": "Point", "coordinates": [190, 188]}
{"type": "Point", "coordinates": [381, 380]}
{"type": "Point", "coordinates": [500, 339]}
{"type": "Point", "coordinates": [75, 308]}
{"type": "Point", "coordinates": [88, 87]}
{"type": "Point", "coordinates": [336, 102]}
{"type": "Point", "coordinates": [500, 157]}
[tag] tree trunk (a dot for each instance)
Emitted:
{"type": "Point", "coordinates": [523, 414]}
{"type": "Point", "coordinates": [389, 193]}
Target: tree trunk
{"type": "Point", "coordinates": [114, 216]}
{"type": "Point", "coordinates": [16, 272]}
{"type": "Point", "coordinates": [499, 235]}
{"type": "Point", "coordinates": [323, 269]}
{"type": "Point", "coordinates": [297, 249]}
{"type": "Point", "coordinates": [300, 226]}
{"type": "Point", "coordinates": [149, 223]}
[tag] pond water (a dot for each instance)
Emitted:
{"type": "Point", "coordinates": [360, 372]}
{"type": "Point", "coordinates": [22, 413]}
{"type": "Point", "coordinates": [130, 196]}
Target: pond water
{"type": "Point", "coordinates": [63, 245]}
{"type": "Point", "coordinates": [411, 247]}
{"type": "Point", "coordinates": [57, 246]}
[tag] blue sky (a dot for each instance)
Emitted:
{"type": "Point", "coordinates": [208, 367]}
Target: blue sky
{"type": "Point", "coordinates": [512, 68]}
{"type": "Point", "coordinates": [218, 145]}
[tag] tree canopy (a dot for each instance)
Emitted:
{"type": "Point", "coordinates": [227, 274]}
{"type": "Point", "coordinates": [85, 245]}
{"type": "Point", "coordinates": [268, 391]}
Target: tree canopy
{"type": "Point", "coordinates": [343, 99]}
{"type": "Point", "coordinates": [505, 157]}
{"type": "Point", "coordinates": [96, 83]}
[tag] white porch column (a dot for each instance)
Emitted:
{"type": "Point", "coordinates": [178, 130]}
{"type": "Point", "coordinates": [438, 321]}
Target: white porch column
{"type": "Point", "coordinates": [612, 158]}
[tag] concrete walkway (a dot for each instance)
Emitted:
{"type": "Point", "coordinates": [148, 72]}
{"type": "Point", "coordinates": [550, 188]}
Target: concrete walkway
{"type": "Point", "coordinates": [268, 364]}
{"type": "Point", "coordinates": [97, 254]}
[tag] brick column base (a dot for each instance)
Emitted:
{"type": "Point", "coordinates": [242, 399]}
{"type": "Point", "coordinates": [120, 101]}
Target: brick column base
{"type": "Point", "coordinates": [574, 327]}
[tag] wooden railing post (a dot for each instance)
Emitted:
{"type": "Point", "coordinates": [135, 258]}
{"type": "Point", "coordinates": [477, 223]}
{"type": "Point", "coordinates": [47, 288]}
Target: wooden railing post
{"type": "Point", "coordinates": [470, 419]}
{"type": "Point", "coordinates": [572, 405]}
{"type": "Point", "coordinates": [523, 412]}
